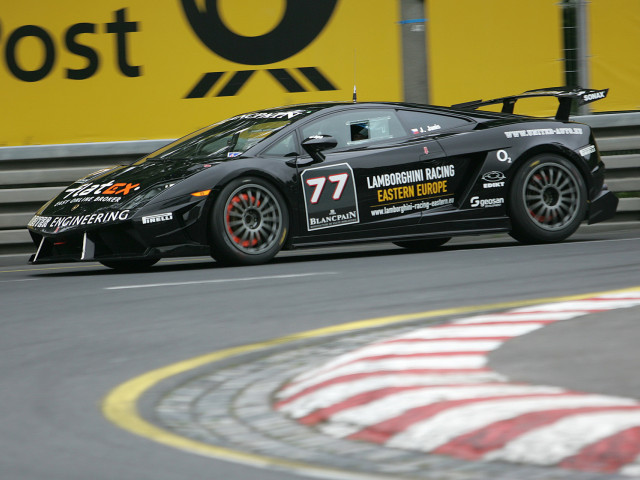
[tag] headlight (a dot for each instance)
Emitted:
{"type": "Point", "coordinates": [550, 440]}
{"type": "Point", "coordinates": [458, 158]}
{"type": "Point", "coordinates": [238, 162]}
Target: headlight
{"type": "Point", "coordinates": [143, 198]}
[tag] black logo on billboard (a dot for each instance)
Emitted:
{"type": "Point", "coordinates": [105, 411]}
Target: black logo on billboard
{"type": "Point", "coordinates": [120, 27]}
{"type": "Point", "coordinates": [300, 25]}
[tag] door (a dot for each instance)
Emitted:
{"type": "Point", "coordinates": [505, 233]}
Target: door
{"type": "Point", "coordinates": [376, 182]}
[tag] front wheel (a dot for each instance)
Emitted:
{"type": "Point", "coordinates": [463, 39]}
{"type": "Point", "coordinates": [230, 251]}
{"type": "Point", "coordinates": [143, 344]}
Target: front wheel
{"type": "Point", "coordinates": [249, 223]}
{"type": "Point", "coordinates": [548, 200]}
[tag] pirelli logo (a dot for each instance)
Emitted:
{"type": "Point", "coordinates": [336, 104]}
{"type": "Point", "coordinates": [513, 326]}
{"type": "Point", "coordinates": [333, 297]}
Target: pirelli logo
{"type": "Point", "coordinates": [160, 217]}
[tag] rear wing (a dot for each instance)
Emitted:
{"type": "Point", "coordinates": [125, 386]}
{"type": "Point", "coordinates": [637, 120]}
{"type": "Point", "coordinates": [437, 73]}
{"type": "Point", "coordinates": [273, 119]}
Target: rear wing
{"type": "Point", "coordinates": [564, 95]}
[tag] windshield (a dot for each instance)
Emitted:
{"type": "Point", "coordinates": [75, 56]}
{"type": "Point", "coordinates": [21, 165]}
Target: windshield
{"type": "Point", "coordinates": [231, 137]}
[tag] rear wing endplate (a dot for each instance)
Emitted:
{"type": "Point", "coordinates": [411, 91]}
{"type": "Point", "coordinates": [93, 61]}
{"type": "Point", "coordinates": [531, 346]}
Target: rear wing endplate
{"type": "Point", "coordinates": [564, 95]}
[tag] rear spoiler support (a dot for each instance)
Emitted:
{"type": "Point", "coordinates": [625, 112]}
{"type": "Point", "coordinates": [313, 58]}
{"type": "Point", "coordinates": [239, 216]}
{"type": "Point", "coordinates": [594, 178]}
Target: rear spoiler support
{"type": "Point", "coordinates": [565, 97]}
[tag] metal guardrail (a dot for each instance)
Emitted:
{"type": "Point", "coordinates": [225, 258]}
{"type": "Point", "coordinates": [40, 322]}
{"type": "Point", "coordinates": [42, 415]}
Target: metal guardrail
{"type": "Point", "coordinates": [31, 175]}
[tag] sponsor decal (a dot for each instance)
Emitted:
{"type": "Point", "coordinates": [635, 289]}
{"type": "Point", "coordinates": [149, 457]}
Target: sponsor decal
{"type": "Point", "coordinates": [503, 156]}
{"type": "Point", "coordinates": [411, 207]}
{"type": "Point", "coordinates": [494, 179]}
{"type": "Point", "coordinates": [588, 150]}
{"type": "Point", "coordinates": [486, 202]}
{"type": "Point", "coordinates": [333, 219]}
{"type": "Point", "coordinates": [411, 176]}
{"type": "Point", "coordinates": [110, 192]}
{"type": "Point", "coordinates": [590, 97]}
{"type": "Point", "coordinates": [330, 196]}
{"type": "Point", "coordinates": [72, 221]}
{"type": "Point", "coordinates": [277, 115]}
{"type": "Point", "coordinates": [418, 186]}
{"type": "Point", "coordinates": [39, 222]}
{"type": "Point", "coordinates": [544, 131]}
{"type": "Point", "coordinates": [109, 188]}
{"type": "Point", "coordinates": [430, 128]}
{"type": "Point", "coordinates": [412, 191]}
{"type": "Point", "coordinates": [159, 217]}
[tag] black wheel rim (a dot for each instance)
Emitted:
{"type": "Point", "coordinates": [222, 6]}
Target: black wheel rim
{"type": "Point", "coordinates": [253, 219]}
{"type": "Point", "coordinates": [552, 196]}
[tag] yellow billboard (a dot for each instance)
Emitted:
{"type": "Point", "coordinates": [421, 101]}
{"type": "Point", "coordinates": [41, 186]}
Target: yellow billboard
{"type": "Point", "coordinates": [483, 50]}
{"type": "Point", "coordinates": [614, 27]}
{"type": "Point", "coordinates": [75, 71]}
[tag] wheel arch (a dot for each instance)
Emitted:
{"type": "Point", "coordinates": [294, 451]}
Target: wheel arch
{"type": "Point", "coordinates": [553, 148]}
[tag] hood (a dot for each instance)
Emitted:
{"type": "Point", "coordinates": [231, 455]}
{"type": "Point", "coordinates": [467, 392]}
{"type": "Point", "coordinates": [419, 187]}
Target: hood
{"type": "Point", "coordinates": [121, 187]}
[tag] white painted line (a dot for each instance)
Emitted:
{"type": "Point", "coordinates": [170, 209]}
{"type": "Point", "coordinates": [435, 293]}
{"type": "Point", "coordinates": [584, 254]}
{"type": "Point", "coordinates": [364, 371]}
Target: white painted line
{"type": "Point", "coordinates": [404, 348]}
{"type": "Point", "coordinates": [21, 280]}
{"type": "Point", "coordinates": [583, 307]}
{"type": "Point", "coordinates": [520, 317]}
{"type": "Point", "coordinates": [389, 365]}
{"type": "Point", "coordinates": [568, 437]}
{"type": "Point", "coordinates": [221, 280]}
{"type": "Point", "coordinates": [429, 434]}
{"type": "Point", "coordinates": [480, 331]}
{"type": "Point", "coordinates": [332, 394]}
{"type": "Point", "coordinates": [391, 406]}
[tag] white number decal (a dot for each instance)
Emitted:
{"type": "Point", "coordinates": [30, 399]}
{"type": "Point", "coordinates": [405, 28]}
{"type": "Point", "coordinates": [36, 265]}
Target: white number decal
{"type": "Point", "coordinates": [341, 180]}
{"type": "Point", "coordinates": [318, 183]}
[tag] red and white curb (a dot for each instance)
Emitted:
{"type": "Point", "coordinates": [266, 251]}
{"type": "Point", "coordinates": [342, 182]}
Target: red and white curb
{"type": "Point", "coordinates": [431, 390]}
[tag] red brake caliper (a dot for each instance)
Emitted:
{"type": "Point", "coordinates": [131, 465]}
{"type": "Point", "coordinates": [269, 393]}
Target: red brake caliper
{"type": "Point", "coordinates": [235, 201]}
{"type": "Point", "coordinates": [539, 218]}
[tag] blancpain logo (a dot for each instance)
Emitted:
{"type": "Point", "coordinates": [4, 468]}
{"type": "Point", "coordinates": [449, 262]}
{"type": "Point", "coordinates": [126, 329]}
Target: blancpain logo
{"type": "Point", "coordinates": [331, 219]}
{"type": "Point", "coordinates": [160, 217]}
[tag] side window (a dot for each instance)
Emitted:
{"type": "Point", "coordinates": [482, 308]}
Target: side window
{"type": "Point", "coordinates": [357, 127]}
{"type": "Point", "coordinates": [420, 123]}
{"type": "Point", "coordinates": [282, 148]}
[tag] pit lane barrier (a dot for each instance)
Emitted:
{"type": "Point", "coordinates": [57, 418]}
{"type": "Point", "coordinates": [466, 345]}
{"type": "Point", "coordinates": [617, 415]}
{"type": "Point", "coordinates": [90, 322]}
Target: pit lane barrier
{"type": "Point", "coordinates": [31, 175]}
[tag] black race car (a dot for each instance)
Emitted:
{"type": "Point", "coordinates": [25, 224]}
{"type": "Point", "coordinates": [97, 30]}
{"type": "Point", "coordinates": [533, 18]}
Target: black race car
{"type": "Point", "coordinates": [334, 173]}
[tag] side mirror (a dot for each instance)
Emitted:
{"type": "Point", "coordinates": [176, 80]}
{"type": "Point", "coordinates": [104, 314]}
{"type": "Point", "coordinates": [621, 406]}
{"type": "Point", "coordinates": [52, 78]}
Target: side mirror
{"type": "Point", "coordinates": [316, 144]}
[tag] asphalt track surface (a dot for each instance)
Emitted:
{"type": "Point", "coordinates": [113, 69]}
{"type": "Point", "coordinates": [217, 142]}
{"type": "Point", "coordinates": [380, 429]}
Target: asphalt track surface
{"type": "Point", "coordinates": [70, 334]}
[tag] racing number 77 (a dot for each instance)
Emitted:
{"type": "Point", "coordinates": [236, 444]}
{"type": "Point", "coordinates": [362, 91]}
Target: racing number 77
{"type": "Point", "coordinates": [318, 183]}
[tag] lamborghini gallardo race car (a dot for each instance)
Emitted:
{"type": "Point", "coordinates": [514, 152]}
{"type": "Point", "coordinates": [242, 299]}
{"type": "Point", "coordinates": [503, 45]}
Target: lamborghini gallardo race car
{"type": "Point", "coordinates": [334, 173]}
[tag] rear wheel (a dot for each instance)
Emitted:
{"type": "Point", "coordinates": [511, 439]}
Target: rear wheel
{"type": "Point", "coordinates": [423, 245]}
{"type": "Point", "coordinates": [548, 200]}
{"type": "Point", "coordinates": [249, 223]}
{"type": "Point", "coordinates": [130, 265]}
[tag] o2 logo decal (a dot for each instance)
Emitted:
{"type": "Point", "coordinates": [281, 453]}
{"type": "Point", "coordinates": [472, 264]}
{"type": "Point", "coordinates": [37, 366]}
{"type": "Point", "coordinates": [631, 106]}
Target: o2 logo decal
{"type": "Point", "coordinates": [330, 197]}
{"type": "Point", "coordinates": [503, 156]}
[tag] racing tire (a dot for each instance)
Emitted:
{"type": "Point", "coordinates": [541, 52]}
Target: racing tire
{"type": "Point", "coordinates": [130, 265]}
{"type": "Point", "coordinates": [548, 200]}
{"type": "Point", "coordinates": [426, 245]}
{"type": "Point", "coordinates": [249, 223]}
